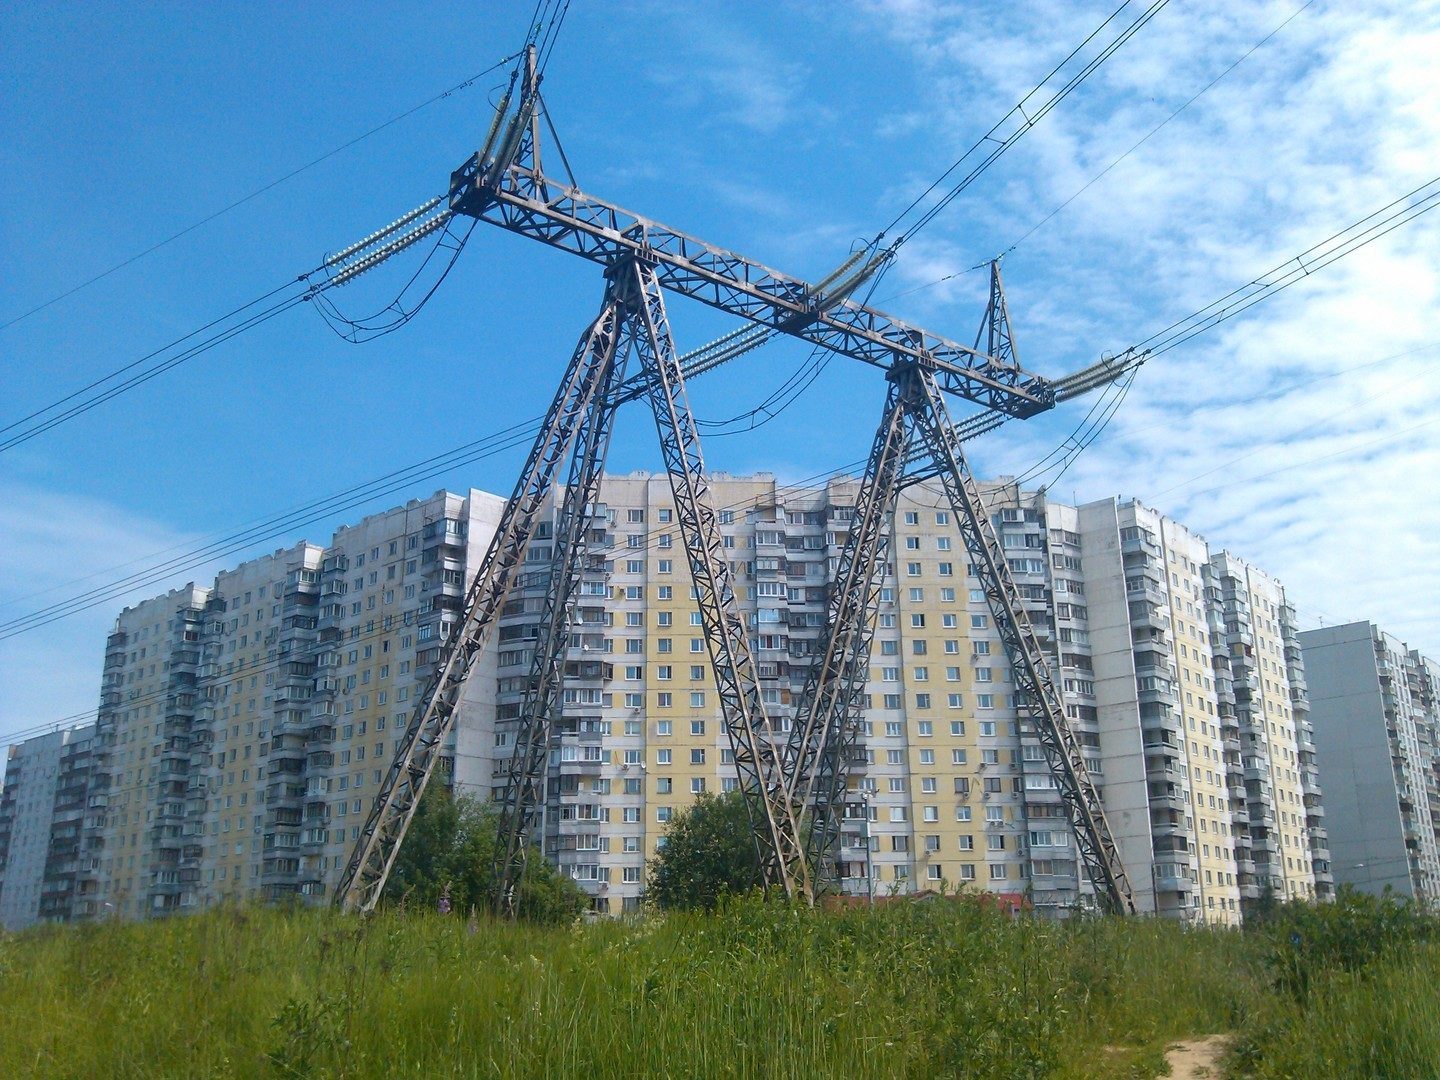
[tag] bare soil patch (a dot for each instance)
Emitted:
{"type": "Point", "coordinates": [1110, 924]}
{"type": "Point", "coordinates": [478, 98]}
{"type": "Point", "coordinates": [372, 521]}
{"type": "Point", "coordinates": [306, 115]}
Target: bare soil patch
{"type": "Point", "coordinates": [1197, 1059]}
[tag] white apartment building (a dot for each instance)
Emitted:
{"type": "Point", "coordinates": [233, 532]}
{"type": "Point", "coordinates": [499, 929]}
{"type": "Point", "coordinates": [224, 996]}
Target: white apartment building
{"type": "Point", "coordinates": [42, 811]}
{"type": "Point", "coordinates": [245, 726]}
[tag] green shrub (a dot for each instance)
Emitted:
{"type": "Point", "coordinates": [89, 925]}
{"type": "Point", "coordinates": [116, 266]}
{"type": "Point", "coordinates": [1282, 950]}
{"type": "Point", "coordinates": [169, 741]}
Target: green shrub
{"type": "Point", "coordinates": [1306, 939]}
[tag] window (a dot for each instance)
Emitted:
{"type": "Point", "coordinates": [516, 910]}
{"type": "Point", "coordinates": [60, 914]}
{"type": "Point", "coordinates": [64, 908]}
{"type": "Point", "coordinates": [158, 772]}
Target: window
{"type": "Point", "coordinates": [662, 757]}
{"type": "Point", "coordinates": [697, 756]}
{"type": "Point", "coordinates": [662, 727]}
{"type": "Point", "coordinates": [979, 622]}
{"type": "Point", "coordinates": [697, 727]}
{"type": "Point", "coordinates": [697, 701]}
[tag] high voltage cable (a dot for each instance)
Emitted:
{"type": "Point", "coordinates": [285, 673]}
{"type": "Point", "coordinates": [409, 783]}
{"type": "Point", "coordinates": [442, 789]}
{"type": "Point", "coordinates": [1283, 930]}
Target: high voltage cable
{"type": "Point", "coordinates": [1092, 69]}
{"type": "Point", "coordinates": [1346, 241]}
{"type": "Point", "coordinates": [540, 11]}
{"type": "Point", "coordinates": [1326, 252]}
{"type": "Point", "coordinates": [463, 85]}
{"type": "Point", "coordinates": [509, 438]}
{"type": "Point", "coordinates": [1029, 118]}
{"type": "Point", "coordinates": [1308, 429]}
{"type": "Point", "coordinates": [205, 345]}
{"type": "Point", "coordinates": [1154, 130]}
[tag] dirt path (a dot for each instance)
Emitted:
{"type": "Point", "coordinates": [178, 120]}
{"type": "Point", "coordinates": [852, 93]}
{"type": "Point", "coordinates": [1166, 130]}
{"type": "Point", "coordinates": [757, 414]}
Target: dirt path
{"type": "Point", "coordinates": [1196, 1058]}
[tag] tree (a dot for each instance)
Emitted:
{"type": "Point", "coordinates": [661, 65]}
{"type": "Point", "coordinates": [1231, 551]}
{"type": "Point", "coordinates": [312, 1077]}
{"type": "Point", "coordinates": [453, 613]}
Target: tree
{"type": "Point", "coordinates": [708, 852]}
{"type": "Point", "coordinates": [451, 841]}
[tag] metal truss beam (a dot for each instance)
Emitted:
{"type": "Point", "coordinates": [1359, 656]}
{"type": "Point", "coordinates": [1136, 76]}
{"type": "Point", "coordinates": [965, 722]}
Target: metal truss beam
{"type": "Point", "coordinates": [1035, 690]}
{"type": "Point", "coordinates": [526, 772]}
{"type": "Point", "coordinates": [511, 190]}
{"type": "Point", "coordinates": [758, 763]}
{"type": "Point", "coordinates": [417, 753]}
{"type": "Point", "coordinates": [822, 741]}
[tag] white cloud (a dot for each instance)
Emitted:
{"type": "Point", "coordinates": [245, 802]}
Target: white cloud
{"type": "Point", "coordinates": [1333, 117]}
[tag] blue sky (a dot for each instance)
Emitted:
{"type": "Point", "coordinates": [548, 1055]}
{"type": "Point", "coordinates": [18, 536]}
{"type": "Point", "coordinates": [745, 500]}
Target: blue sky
{"type": "Point", "coordinates": [1294, 436]}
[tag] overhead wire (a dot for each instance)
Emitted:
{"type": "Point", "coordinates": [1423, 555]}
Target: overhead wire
{"type": "Point", "coordinates": [1111, 413]}
{"type": "Point", "coordinates": [1028, 117]}
{"type": "Point", "coordinates": [464, 84]}
{"type": "Point", "coordinates": [1116, 161]}
{"type": "Point", "coordinates": [1334, 247]}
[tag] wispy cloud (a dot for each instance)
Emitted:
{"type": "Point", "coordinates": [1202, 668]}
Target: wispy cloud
{"type": "Point", "coordinates": [57, 547]}
{"type": "Point", "coordinates": [1267, 434]}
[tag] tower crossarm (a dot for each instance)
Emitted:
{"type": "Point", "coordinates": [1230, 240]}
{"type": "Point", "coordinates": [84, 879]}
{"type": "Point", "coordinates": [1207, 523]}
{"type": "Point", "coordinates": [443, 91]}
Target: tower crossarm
{"type": "Point", "coordinates": [522, 199]}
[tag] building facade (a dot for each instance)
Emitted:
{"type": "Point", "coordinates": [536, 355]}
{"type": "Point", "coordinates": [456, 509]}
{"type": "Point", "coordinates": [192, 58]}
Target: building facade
{"type": "Point", "coordinates": [245, 726]}
{"type": "Point", "coordinates": [1373, 705]}
{"type": "Point", "coordinates": [42, 815]}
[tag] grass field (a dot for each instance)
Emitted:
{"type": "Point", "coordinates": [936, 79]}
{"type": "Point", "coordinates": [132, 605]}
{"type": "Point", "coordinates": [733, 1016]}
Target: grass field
{"type": "Point", "coordinates": [931, 989]}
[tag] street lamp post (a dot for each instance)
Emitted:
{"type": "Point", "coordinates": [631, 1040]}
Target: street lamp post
{"type": "Point", "coordinates": [865, 797]}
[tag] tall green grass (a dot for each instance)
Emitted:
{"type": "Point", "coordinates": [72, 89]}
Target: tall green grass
{"type": "Point", "coordinates": [755, 990]}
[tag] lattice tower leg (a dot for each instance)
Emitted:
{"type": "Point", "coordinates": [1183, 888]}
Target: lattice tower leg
{"type": "Point", "coordinates": [1035, 690]}
{"type": "Point", "coordinates": [757, 759]}
{"type": "Point", "coordinates": [418, 750]}
{"type": "Point", "coordinates": [526, 773]}
{"type": "Point", "coordinates": [822, 743]}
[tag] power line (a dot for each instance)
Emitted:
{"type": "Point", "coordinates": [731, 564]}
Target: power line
{"type": "Point", "coordinates": [1151, 133]}
{"type": "Point", "coordinates": [1106, 170]}
{"type": "Point", "coordinates": [144, 376]}
{"type": "Point", "coordinates": [463, 85]}
{"type": "Point", "coordinates": [1307, 429]}
{"type": "Point", "coordinates": [1029, 118]}
{"type": "Point", "coordinates": [1347, 452]}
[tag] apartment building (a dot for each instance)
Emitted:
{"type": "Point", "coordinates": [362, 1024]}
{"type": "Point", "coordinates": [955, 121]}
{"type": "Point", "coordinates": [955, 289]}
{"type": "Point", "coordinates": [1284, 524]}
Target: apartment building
{"type": "Point", "coordinates": [42, 812]}
{"type": "Point", "coordinates": [1281, 839]}
{"type": "Point", "coordinates": [1373, 705]}
{"type": "Point", "coordinates": [245, 726]}
{"type": "Point", "coordinates": [939, 795]}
